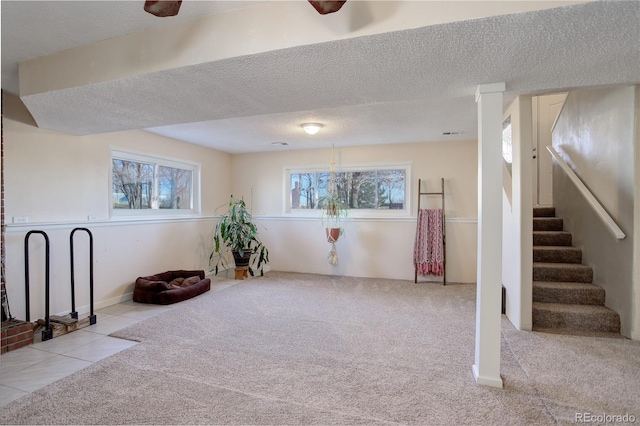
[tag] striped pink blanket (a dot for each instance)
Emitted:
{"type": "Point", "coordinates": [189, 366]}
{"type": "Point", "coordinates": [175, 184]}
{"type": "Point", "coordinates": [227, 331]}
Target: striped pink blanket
{"type": "Point", "coordinates": [427, 250]}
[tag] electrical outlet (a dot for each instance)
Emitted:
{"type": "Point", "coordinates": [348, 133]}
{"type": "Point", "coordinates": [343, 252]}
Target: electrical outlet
{"type": "Point", "coordinates": [20, 219]}
{"type": "Point", "coordinates": [92, 217]}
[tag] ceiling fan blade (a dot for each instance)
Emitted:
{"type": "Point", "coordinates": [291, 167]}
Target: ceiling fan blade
{"type": "Point", "coordinates": [324, 7]}
{"type": "Point", "coordinates": [162, 8]}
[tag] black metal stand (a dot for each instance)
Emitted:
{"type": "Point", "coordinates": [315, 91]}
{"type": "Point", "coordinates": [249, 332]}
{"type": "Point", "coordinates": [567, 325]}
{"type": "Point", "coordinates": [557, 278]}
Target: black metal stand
{"type": "Point", "coordinates": [74, 314]}
{"type": "Point", "coordinates": [47, 333]}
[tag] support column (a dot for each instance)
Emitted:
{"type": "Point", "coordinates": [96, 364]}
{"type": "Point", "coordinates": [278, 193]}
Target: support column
{"type": "Point", "coordinates": [486, 368]}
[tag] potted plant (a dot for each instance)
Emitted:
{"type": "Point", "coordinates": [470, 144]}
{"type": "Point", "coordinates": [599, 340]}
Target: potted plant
{"type": "Point", "coordinates": [236, 232]}
{"type": "Point", "coordinates": [333, 210]}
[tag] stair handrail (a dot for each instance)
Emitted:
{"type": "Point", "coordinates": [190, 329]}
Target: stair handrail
{"type": "Point", "coordinates": [608, 221]}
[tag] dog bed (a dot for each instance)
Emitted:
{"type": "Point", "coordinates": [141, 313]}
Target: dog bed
{"type": "Point", "coordinates": [170, 287]}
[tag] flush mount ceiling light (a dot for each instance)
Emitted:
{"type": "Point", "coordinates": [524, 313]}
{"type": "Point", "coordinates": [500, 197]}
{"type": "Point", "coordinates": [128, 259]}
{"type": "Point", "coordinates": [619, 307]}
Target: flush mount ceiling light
{"type": "Point", "coordinates": [311, 128]}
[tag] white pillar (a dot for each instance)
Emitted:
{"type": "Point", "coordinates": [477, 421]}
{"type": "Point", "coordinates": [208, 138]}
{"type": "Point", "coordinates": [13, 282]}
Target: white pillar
{"type": "Point", "coordinates": [486, 368]}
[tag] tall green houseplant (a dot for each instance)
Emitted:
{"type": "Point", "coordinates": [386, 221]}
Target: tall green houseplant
{"type": "Point", "coordinates": [235, 231]}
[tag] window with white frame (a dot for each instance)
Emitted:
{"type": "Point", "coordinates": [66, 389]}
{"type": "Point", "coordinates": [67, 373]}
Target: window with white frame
{"type": "Point", "coordinates": [507, 142]}
{"type": "Point", "coordinates": [148, 185]}
{"type": "Point", "coordinates": [373, 188]}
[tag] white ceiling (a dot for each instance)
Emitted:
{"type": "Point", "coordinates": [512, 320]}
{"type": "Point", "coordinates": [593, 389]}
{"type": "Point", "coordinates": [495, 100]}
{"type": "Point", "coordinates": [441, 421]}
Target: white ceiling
{"type": "Point", "coordinates": [402, 85]}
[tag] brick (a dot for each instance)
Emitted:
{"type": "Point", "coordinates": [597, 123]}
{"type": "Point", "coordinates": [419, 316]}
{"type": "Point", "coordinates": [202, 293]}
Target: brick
{"type": "Point", "coordinates": [18, 345]}
{"type": "Point", "coordinates": [14, 326]}
{"type": "Point", "coordinates": [19, 337]}
{"type": "Point", "coordinates": [23, 328]}
{"type": "Point", "coordinates": [16, 334]}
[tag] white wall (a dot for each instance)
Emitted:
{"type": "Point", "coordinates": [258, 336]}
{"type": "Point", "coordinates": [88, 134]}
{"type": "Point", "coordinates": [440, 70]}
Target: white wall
{"type": "Point", "coordinates": [122, 252]}
{"type": "Point", "coordinates": [374, 246]}
{"type": "Point", "coordinates": [595, 135]}
{"type": "Point", "coordinates": [517, 212]}
{"type": "Point", "coordinates": [58, 180]}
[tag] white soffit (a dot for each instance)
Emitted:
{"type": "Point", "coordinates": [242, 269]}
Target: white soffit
{"type": "Point", "coordinates": [266, 27]}
{"type": "Point", "coordinates": [418, 80]}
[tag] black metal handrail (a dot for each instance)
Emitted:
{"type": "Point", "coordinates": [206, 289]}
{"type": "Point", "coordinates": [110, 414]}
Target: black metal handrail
{"type": "Point", "coordinates": [47, 333]}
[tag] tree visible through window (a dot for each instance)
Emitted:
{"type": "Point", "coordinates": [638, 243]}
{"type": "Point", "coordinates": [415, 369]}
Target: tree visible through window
{"type": "Point", "coordinates": [139, 184]}
{"type": "Point", "coordinates": [367, 189]}
{"type": "Point", "coordinates": [174, 191]}
{"type": "Point", "coordinates": [132, 184]}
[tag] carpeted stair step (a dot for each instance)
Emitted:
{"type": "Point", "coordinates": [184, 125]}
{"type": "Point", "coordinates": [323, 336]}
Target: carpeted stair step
{"type": "Point", "coordinates": [547, 224]}
{"type": "Point", "coordinates": [575, 317]}
{"type": "Point", "coordinates": [551, 238]}
{"type": "Point", "coordinates": [567, 272]}
{"type": "Point", "coordinates": [568, 293]}
{"type": "Point", "coordinates": [585, 333]}
{"type": "Point", "coordinates": [557, 254]}
{"type": "Point", "coordinates": [544, 212]}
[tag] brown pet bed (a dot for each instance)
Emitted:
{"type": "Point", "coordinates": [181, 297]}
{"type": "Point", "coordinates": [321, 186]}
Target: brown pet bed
{"type": "Point", "coordinates": [170, 287]}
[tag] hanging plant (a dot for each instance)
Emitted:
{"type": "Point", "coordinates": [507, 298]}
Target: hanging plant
{"type": "Point", "coordinates": [333, 211]}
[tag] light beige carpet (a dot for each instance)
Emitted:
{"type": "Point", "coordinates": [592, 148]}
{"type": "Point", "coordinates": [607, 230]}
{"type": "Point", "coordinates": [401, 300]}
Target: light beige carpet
{"type": "Point", "coordinates": [308, 349]}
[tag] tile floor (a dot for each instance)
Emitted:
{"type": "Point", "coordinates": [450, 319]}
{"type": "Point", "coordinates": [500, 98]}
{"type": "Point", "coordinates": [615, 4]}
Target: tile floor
{"type": "Point", "coordinates": [27, 369]}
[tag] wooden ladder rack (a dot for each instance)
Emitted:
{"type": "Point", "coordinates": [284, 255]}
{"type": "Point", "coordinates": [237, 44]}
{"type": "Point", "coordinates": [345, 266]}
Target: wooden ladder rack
{"type": "Point", "coordinates": [444, 238]}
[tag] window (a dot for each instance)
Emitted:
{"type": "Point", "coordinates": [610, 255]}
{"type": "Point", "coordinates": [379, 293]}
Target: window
{"type": "Point", "coordinates": [143, 184]}
{"type": "Point", "coordinates": [507, 144]}
{"type": "Point", "coordinates": [373, 188]}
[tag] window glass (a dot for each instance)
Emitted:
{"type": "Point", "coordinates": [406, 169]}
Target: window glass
{"type": "Point", "coordinates": [132, 184]}
{"type": "Point", "coordinates": [174, 188]}
{"type": "Point", "coordinates": [367, 189]}
{"type": "Point", "coordinates": [507, 144]}
{"type": "Point", "coordinates": [303, 190]}
{"type": "Point", "coordinates": [391, 184]}
{"type": "Point", "coordinates": [142, 183]}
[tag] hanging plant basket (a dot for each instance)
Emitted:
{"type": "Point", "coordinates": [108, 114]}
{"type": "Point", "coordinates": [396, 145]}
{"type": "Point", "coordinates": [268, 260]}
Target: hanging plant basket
{"type": "Point", "coordinates": [333, 210]}
{"type": "Point", "coordinates": [333, 234]}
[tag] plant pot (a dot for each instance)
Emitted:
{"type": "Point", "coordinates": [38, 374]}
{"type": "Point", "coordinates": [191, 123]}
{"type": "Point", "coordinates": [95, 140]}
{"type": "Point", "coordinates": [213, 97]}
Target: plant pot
{"type": "Point", "coordinates": [332, 234]}
{"type": "Point", "coordinates": [241, 261]}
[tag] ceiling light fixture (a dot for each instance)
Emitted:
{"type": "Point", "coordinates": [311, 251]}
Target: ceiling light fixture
{"type": "Point", "coordinates": [311, 128]}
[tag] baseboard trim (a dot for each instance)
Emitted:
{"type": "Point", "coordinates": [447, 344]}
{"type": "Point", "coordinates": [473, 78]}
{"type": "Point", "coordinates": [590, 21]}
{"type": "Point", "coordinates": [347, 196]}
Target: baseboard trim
{"type": "Point", "coordinates": [82, 310]}
{"type": "Point", "coordinates": [494, 382]}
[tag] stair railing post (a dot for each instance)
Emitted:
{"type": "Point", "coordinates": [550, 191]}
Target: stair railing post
{"type": "Point", "coordinates": [486, 368]}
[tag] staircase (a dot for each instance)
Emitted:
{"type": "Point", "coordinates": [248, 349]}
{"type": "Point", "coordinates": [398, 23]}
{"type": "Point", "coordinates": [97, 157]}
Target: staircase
{"type": "Point", "coordinates": [565, 300]}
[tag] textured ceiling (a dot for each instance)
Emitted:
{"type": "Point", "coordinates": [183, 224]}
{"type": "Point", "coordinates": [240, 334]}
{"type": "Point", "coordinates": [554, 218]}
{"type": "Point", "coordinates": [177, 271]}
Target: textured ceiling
{"type": "Point", "coordinates": [400, 86]}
